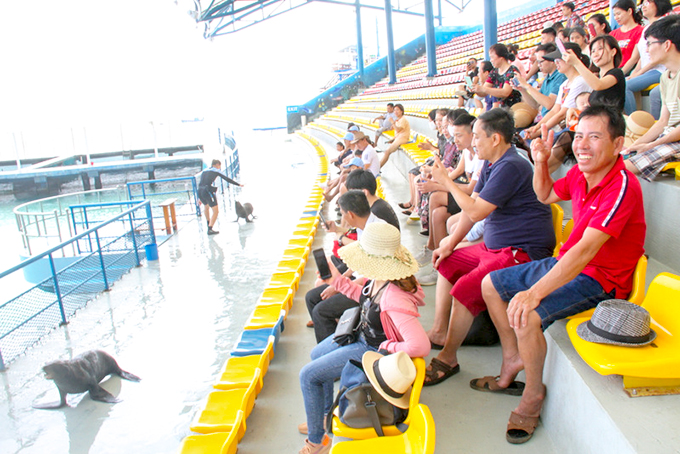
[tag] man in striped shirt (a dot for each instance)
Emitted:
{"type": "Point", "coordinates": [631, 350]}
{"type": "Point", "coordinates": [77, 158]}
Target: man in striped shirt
{"type": "Point", "coordinates": [596, 263]}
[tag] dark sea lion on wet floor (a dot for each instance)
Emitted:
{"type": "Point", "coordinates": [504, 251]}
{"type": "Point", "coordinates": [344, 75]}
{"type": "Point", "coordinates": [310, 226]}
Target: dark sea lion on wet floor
{"type": "Point", "coordinates": [83, 373]}
{"type": "Point", "coordinates": [244, 211]}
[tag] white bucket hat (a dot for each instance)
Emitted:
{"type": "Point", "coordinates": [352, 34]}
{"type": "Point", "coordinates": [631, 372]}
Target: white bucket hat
{"type": "Point", "coordinates": [391, 375]}
{"type": "Point", "coordinates": [618, 322]}
{"type": "Point", "coordinates": [379, 254]}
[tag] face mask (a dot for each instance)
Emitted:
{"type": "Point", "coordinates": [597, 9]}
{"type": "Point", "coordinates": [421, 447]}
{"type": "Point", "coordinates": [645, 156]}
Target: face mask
{"type": "Point", "coordinates": [433, 127]}
{"type": "Point", "coordinates": [450, 128]}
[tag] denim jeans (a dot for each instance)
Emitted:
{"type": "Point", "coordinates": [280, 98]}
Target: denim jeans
{"type": "Point", "coordinates": [317, 377]}
{"type": "Point", "coordinates": [655, 102]}
{"type": "Point", "coordinates": [636, 84]}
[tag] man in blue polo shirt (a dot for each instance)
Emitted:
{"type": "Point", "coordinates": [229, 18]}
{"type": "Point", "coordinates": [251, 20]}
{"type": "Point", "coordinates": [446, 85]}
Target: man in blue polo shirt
{"type": "Point", "coordinates": [545, 97]}
{"type": "Point", "coordinates": [518, 229]}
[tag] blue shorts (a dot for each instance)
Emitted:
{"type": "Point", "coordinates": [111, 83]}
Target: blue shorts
{"type": "Point", "coordinates": [581, 294]}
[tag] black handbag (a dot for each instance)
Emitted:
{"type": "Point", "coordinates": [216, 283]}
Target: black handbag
{"type": "Point", "coordinates": [347, 330]}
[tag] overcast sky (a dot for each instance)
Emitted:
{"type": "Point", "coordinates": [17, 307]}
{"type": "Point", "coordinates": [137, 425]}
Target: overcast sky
{"type": "Point", "coordinates": [84, 62]}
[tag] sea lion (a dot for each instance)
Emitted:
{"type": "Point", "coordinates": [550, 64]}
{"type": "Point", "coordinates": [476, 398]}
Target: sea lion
{"type": "Point", "coordinates": [244, 211]}
{"type": "Point", "coordinates": [83, 373]}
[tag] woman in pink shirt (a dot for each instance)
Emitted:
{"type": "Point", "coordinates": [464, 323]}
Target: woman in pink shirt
{"type": "Point", "coordinates": [389, 296]}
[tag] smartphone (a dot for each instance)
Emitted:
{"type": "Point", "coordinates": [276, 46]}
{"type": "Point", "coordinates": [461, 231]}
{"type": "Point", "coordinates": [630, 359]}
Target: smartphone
{"type": "Point", "coordinates": [322, 263]}
{"type": "Point", "coordinates": [515, 82]}
{"type": "Point", "coordinates": [560, 46]}
{"type": "Point", "coordinates": [325, 223]}
{"type": "Point", "coordinates": [591, 29]}
{"type": "Point", "coordinates": [468, 81]}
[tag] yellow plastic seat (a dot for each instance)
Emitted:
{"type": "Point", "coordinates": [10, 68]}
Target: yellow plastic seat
{"type": "Point", "coordinates": [265, 316]}
{"type": "Point", "coordinates": [675, 166]}
{"type": "Point", "coordinates": [221, 410]}
{"type": "Point", "coordinates": [284, 280]}
{"type": "Point", "coordinates": [294, 252]}
{"type": "Point", "coordinates": [637, 293]}
{"type": "Point", "coordinates": [215, 443]}
{"type": "Point", "coordinates": [650, 370]}
{"type": "Point", "coordinates": [419, 438]}
{"type": "Point", "coordinates": [291, 265]}
{"type": "Point", "coordinates": [557, 218]}
{"type": "Point", "coordinates": [272, 296]}
{"type": "Point", "coordinates": [239, 371]}
{"type": "Point", "coordinates": [299, 240]}
{"type": "Point", "coordinates": [342, 430]}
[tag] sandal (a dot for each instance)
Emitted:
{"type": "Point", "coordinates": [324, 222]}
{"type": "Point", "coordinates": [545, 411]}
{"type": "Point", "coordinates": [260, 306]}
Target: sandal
{"type": "Point", "coordinates": [520, 428]}
{"type": "Point", "coordinates": [432, 376]}
{"type": "Point", "coordinates": [490, 384]}
{"type": "Point", "coordinates": [408, 212]}
{"type": "Point", "coordinates": [405, 206]}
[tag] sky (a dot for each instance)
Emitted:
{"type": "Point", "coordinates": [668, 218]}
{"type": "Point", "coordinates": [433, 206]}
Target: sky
{"type": "Point", "coordinates": [85, 63]}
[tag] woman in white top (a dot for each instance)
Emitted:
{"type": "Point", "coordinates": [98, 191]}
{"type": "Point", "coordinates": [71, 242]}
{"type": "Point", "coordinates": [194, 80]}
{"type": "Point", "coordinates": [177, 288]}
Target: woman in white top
{"type": "Point", "coordinates": [645, 72]}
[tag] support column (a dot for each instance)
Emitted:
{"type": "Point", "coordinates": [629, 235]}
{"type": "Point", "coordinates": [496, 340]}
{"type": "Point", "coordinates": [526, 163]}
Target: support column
{"type": "Point", "coordinates": [490, 26]}
{"type": "Point", "coordinates": [360, 42]}
{"type": "Point", "coordinates": [430, 49]}
{"type": "Point", "coordinates": [391, 64]}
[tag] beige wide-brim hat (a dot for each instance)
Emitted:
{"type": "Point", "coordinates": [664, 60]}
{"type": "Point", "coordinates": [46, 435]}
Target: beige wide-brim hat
{"type": "Point", "coordinates": [639, 122]}
{"type": "Point", "coordinates": [392, 376]}
{"type": "Point", "coordinates": [379, 254]}
{"type": "Point", "coordinates": [524, 114]}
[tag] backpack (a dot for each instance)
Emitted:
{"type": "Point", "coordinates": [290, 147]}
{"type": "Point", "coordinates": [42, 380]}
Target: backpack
{"type": "Point", "coordinates": [360, 405]}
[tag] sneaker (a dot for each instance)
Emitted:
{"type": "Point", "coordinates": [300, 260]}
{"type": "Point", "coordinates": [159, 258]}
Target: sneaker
{"type": "Point", "coordinates": [322, 448]}
{"type": "Point", "coordinates": [424, 257]}
{"type": "Point", "coordinates": [427, 277]}
{"type": "Point", "coordinates": [212, 232]}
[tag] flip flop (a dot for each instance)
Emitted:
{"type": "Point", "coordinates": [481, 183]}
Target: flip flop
{"type": "Point", "coordinates": [431, 376]}
{"type": "Point", "coordinates": [520, 428]}
{"type": "Point", "coordinates": [490, 384]}
{"type": "Point", "coordinates": [434, 346]}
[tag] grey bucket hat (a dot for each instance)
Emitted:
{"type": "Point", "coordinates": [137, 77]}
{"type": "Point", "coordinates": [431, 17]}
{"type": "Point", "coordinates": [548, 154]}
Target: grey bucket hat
{"type": "Point", "coordinates": [618, 322]}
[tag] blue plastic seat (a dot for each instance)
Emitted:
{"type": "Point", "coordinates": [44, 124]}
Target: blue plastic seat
{"type": "Point", "coordinates": [254, 341]}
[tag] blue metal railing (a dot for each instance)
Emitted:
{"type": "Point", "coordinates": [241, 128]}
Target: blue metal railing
{"type": "Point", "coordinates": [64, 284]}
{"type": "Point", "coordinates": [188, 195]}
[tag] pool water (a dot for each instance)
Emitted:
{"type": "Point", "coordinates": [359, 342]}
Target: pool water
{"type": "Point", "coordinates": [172, 322]}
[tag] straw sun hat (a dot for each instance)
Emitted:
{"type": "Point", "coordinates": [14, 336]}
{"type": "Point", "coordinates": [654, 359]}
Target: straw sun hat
{"type": "Point", "coordinates": [523, 114]}
{"type": "Point", "coordinates": [391, 375]}
{"type": "Point", "coordinates": [379, 254]}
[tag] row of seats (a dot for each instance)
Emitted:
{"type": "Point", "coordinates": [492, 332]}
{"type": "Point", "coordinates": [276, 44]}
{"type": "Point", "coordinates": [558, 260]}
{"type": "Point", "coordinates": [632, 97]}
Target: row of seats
{"type": "Point", "coordinates": [451, 57]}
{"type": "Point", "coordinates": [411, 148]}
{"type": "Point", "coordinates": [221, 423]}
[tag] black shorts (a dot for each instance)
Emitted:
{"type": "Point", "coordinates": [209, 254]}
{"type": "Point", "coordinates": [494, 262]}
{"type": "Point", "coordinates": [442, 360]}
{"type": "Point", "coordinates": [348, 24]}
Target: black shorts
{"type": "Point", "coordinates": [206, 196]}
{"type": "Point", "coordinates": [452, 207]}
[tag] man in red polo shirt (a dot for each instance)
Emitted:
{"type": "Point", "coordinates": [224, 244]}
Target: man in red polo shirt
{"type": "Point", "coordinates": [596, 263]}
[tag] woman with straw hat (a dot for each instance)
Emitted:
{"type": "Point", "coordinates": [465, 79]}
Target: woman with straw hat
{"type": "Point", "coordinates": [389, 295]}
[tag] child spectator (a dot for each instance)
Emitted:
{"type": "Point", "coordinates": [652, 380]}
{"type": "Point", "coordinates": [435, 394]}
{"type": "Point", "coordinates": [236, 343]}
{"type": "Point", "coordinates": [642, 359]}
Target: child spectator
{"type": "Point", "coordinates": [582, 102]}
